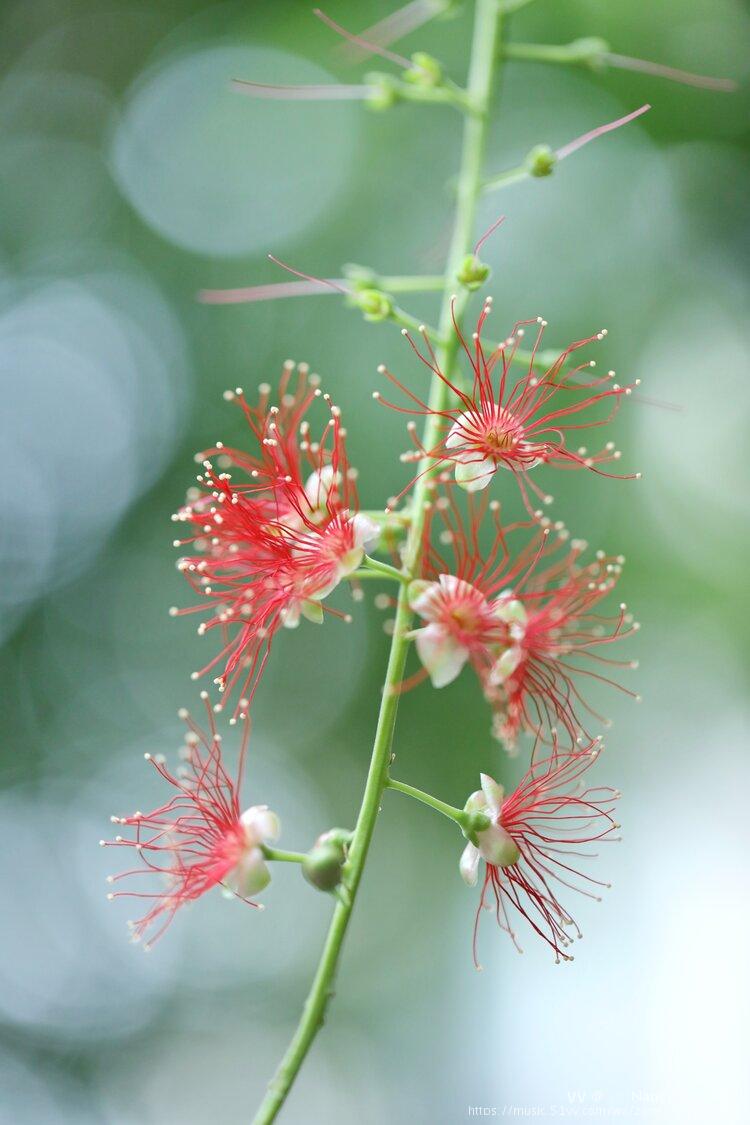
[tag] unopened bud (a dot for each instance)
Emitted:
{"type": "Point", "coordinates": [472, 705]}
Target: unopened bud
{"type": "Point", "coordinates": [374, 304]}
{"type": "Point", "coordinates": [590, 52]}
{"type": "Point", "coordinates": [541, 161]}
{"type": "Point", "coordinates": [385, 92]}
{"type": "Point", "coordinates": [323, 864]}
{"type": "Point", "coordinates": [424, 70]}
{"type": "Point", "coordinates": [473, 272]}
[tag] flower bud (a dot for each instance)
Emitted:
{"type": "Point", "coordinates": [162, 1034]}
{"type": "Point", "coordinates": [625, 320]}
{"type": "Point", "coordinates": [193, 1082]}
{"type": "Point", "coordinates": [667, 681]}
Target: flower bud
{"type": "Point", "coordinates": [424, 70]}
{"type": "Point", "coordinates": [374, 304]}
{"type": "Point", "coordinates": [541, 161]}
{"type": "Point", "coordinates": [590, 52]}
{"type": "Point", "coordinates": [323, 863]}
{"type": "Point", "coordinates": [385, 92]}
{"type": "Point", "coordinates": [473, 272]}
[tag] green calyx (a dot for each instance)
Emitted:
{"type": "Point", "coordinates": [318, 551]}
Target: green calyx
{"type": "Point", "coordinates": [424, 70]}
{"type": "Point", "coordinates": [323, 865]}
{"type": "Point", "coordinates": [472, 823]}
{"type": "Point", "coordinates": [473, 272]}
{"type": "Point", "coordinates": [385, 91]}
{"type": "Point", "coordinates": [373, 304]}
{"type": "Point", "coordinates": [541, 161]}
{"type": "Point", "coordinates": [590, 52]}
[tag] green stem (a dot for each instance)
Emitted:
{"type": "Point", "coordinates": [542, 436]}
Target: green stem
{"type": "Point", "coordinates": [565, 53]}
{"type": "Point", "coordinates": [383, 570]}
{"type": "Point", "coordinates": [504, 179]}
{"type": "Point", "coordinates": [458, 815]}
{"type": "Point", "coordinates": [482, 70]}
{"type": "Point", "coordinates": [282, 856]}
{"type": "Point", "coordinates": [406, 320]}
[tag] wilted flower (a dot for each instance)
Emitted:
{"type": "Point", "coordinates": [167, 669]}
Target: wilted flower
{"type": "Point", "coordinates": [273, 547]}
{"type": "Point", "coordinates": [532, 845]}
{"type": "Point", "coordinates": [199, 838]}
{"type": "Point", "coordinates": [514, 422]}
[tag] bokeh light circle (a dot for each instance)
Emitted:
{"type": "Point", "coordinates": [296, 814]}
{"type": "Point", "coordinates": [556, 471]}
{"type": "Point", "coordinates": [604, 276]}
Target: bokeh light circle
{"type": "Point", "coordinates": [219, 173]}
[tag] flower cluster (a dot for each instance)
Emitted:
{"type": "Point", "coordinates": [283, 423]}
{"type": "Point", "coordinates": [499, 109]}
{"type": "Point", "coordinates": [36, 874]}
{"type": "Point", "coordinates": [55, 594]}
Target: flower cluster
{"type": "Point", "coordinates": [270, 548]}
{"type": "Point", "coordinates": [273, 528]}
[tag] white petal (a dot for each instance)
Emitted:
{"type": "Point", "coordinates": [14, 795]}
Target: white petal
{"type": "Point", "coordinates": [250, 875]}
{"type": "Point", "coordinates": [497, 846]}
{"type": "Point", "coordinates": [494, 794]}
{"type": "Point", "coordinates": [324, 590]}
{"type": "Point", "coordinates": [290, 615]}
{"type": "Point", "coordinates": [457, 435]}
{"type": "Point", "coordinates": [346, 565]}
{"type": "Point", "coordinates": [424, 598]}
{"type": "Point", "coordinates": [475, 475]}
{"type": "Point", "coordinates": [477, 802]}
{"type": "Point", "coordinates": [366, 531]}
{"type": "Point", "coordinates": [319, 484]}
{"type": "Point", "coordinates": [510, 610]}
{"type": "Point", "coordinates": [261, 824]}
{"type": "Point", "coordinates": [469, 865]}
{"type": "Point", "coordinates": [312, 610]}
{"type": "Point", "coordinates": [441, 655]}
{"type": "Point", "coordinates": [506, 665]}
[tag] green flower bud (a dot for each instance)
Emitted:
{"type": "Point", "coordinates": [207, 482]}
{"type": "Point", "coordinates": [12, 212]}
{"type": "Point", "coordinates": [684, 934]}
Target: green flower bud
{"type": "Point", "coordinates": [424, 70]}
{"type": "Point", "coordinates": [374, 304]}
{"type": "Point", "coordinates": [323, 864]}
{"type": "Point", "coordinates": [541, 161]}
{"type": "Point", "coordinates": [385, 93]}
{"type": "Point", "coordinates": [473, 272]}
{"type": "Point", "coordinates": [590, 52]}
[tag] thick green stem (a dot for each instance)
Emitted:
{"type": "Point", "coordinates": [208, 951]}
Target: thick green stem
{"type": "Point", "coordinates": [482, 70]}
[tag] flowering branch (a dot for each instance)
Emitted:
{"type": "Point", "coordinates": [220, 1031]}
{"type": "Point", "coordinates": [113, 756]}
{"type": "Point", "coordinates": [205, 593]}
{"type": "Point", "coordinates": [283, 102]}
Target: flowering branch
{"type": "Point", "coordinates": [482, 72]}
{"type": "Point", "coordinates": [269, 532]}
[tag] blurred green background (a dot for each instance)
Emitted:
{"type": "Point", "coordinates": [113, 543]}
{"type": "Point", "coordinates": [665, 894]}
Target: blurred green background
{"type": "Point", "coordinates": [131, 177]}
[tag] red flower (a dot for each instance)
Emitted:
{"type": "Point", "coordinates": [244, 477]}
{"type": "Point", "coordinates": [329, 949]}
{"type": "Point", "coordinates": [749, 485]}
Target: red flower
{"type": "Point", "coordinates": [514, 422]}
{"type": "Point", "coordinates": [465, 599]}
{"type": "Point", "coordinates": [535, 684]}
{"type": "Point", "coordinates": [199, 838]}
{"type": "Point", "coordinates": [272, 548]}
{"type": "Point", "coordinates": [527, 624]}
{"type": "Point", "coordinates": [532, 845]}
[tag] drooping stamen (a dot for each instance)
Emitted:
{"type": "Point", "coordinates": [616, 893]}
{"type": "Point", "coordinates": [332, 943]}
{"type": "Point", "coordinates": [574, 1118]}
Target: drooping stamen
{"type": "Point", "coordinates": [271, 292]}
{"type": "Point", "coordinates": [490, 230]}
{"type": "Point", "coordinates": [366, 46]}
{"type": "Point", "coordinates": [579, 142]}
{"type": "Point", "coordinates": [671, 73]}
{"type": "Point", "coordinates": [395, 26]}
{"type": "Point", "coordinates": [314, 92]}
